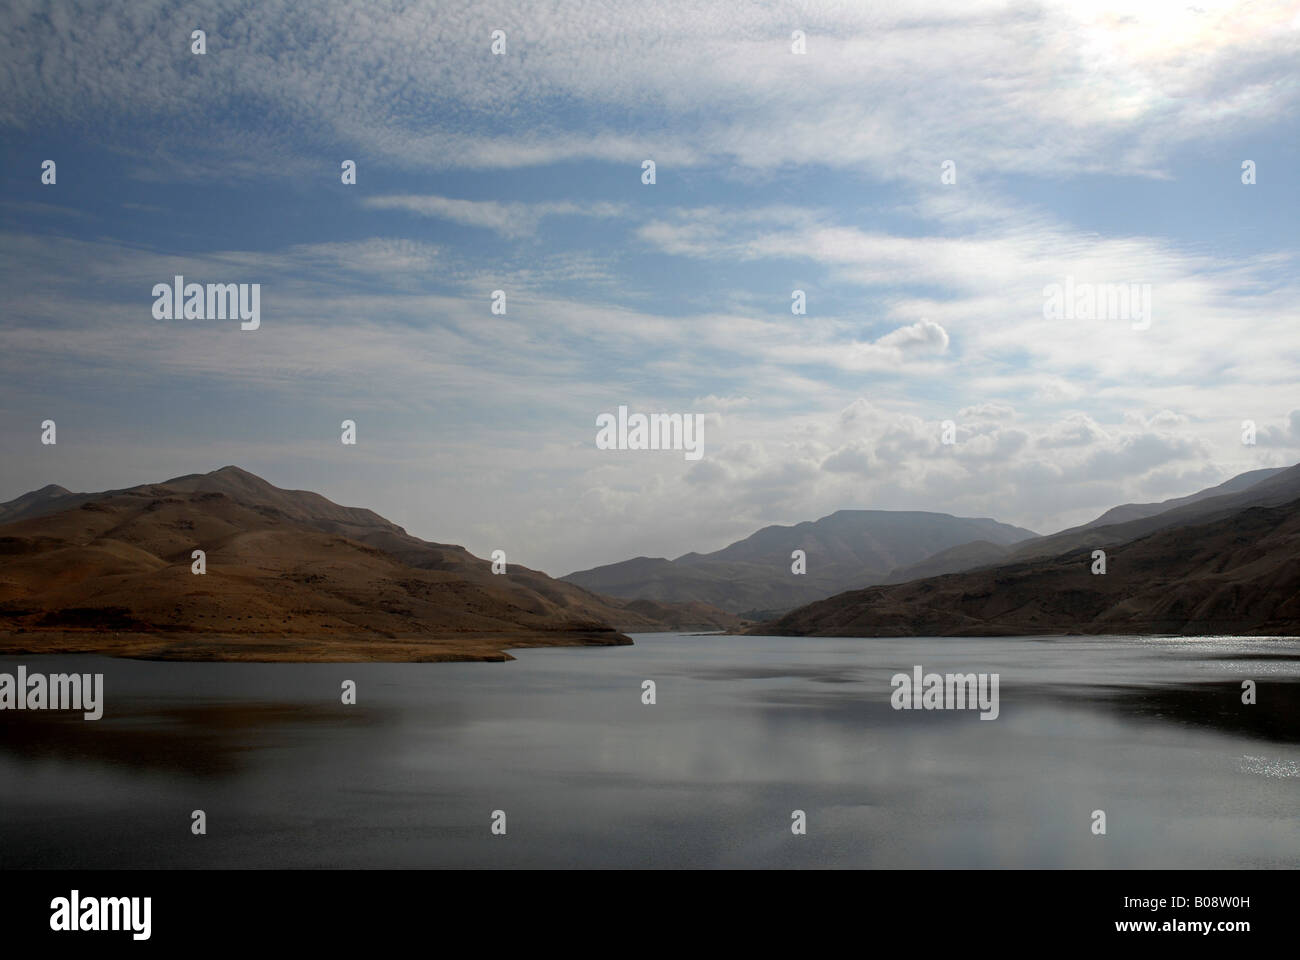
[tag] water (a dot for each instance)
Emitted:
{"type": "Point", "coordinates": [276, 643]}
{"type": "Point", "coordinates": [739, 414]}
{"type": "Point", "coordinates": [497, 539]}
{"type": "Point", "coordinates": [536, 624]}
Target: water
{"type": "Point", "coordinates": [745, 730]}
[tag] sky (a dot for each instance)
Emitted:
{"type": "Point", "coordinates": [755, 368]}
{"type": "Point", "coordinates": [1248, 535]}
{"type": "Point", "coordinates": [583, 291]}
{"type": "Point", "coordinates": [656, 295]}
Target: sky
{"type": "Point", "coordinates": [923, 172]}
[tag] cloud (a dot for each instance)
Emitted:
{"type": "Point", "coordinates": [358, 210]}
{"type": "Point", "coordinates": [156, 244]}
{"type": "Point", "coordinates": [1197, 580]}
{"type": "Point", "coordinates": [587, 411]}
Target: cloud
{"type": "Point", "coordinates": [1068, 88]}
{"type": "Point", "coordinates": [921, 338]}
{"type": "Point", "coordinates": [1076, 430]}
{"type": "Point", "coordinates": [722, 403]}
{"type": "Point", "coordinates": [817, 171]}
{"type": "Point", "coordinates": [994, 411]}
{"type": "Point", "coordinates": [860, 413]}
{"type": "Point", "coordinates": [1135, 454]}
{"type": "Point", "coordinates": [913, 345]}
{"type": "Point", "coordinates": [1284, 435]}
{"type": "Point", "coordinates": [507, 219]}
{"type": "Point", "coordinates": [1163, 419]}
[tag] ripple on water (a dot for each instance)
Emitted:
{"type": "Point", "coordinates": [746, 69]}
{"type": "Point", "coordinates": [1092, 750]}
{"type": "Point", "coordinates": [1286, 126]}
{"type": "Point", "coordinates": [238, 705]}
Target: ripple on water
{"type": "Point", "coordinates": [1274, 769]}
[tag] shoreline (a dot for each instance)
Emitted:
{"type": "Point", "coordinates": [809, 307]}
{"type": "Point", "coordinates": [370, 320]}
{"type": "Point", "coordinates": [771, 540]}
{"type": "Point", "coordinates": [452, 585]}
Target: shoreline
{"type": "Point", "coordinates": [229, 648]}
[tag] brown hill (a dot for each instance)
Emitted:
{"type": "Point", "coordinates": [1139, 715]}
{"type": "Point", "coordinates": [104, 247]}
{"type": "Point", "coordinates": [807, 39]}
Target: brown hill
{"type": "Point", "coordinates": [290, 575]}
{"type": "Point", "coordinates": [1234, 574]}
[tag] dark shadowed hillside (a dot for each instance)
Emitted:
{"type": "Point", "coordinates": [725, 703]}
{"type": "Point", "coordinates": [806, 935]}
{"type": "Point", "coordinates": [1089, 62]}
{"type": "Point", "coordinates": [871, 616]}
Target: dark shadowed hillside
{"type": "Point", "coordinates": [1234, 574]}
{"type": "Point", "coordinates": [982, 553]}
{"type": "Point", "coordinates": [1278, 487]}
{"type": "Point", "coordinates": [1137, 511]}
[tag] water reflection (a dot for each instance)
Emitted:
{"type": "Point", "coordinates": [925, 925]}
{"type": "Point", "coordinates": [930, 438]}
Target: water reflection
{"type": "Point", "coordinates": [745, 730]}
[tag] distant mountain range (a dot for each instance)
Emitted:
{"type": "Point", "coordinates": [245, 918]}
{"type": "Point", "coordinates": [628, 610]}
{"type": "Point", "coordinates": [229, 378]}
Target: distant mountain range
{"type": "Point", "coordinates": [1225, 560]}
{"type": "Point", "coordinates": [294, 576]}
{"type": "Point", "coordinates": [290, 575]}
{"type": "Point", "coordinates": [854, 549]}
{"type": "Point", "coordinates": [849, 548]}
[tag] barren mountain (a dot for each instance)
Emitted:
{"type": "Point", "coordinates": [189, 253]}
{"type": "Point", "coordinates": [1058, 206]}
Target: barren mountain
{"type": "Point", "coordinates": [1136, 511]}
{"type": "Point", "coordinates": [965, 556]}
{"type": "Point", "coordinates": [1114, 526]}
{"type": "Point", "coordinates": [685, 616]}
{"type": "Point", "coordinates": [290, 575]}
{"type": "Point", "coordinates": [1234, 573]}
{"type": "Point", "coordinates": [1277, 487]}
{"type": "Point", "coordinates": [849, 548]}
{"type": "Point", "coordinates": [34, 503]}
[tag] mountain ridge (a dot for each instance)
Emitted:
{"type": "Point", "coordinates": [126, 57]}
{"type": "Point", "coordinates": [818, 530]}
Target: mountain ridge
{"type": "Point", "coordinates": [848, 547]}
{"type": "Point", "coordinates": [1233, 573]}
{"type": "Point", "coordinates": [290, 575]}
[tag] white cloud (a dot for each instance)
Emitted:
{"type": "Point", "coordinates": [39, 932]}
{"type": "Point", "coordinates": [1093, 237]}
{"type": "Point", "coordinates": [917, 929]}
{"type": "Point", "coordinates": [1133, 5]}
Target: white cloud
{"type": "Point", "coordinates": [920, 338]}
{"type": "Point", "coordinates": [1068, 87]}
{"type": "Point", "coordinates": [507, 219]}
{"type": "Point", "coordinates": [822, 412]}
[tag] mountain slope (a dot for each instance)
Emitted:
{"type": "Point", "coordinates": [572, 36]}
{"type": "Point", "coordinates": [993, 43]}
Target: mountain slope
{"type": "Point", "coordinates": [34, 503]}
{"type": "Point", "coordinates": [686, 616]}
{"type": "Point", "coordinates": [849, 548]}
{"type": "Point", "coordinates": [1237, 573]}
{"type": "Point", "coordinates": [289, 575]}
{"type": "Point", "coordinates": [1278, 488]}
{"type": "Point", "coordinates": [964, 556]}
{"type": "Point", "coordinates": [977, 554]}
{"type": "Point", "coordinates": [1137, 511]}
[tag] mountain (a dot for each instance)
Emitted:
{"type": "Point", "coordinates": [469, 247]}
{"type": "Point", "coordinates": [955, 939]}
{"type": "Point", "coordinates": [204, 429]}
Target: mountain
{"type": "Point", "coordinates": [686, 616]}
{"type": "Point", "coordinates": [290, 575]}
{"type": "Point", "coordinates": [1137, 511]}
{"type": "Point", "coordinates": [849, 548]}
{"type": "Point", "coordinates": [971, 556]}
{"type": "Point", "coordinates": [33, 503]}
{"type": "Point", "coordinates": [1276, 488]}
{"type": "Point", "coordinates": [1233, 572]}
{"type": "Point", "coordinates": [964, 556]}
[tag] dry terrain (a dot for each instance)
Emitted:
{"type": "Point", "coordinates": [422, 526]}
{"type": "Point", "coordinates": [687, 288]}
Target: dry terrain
{"type": "Point", "coordinates": [290, 576]}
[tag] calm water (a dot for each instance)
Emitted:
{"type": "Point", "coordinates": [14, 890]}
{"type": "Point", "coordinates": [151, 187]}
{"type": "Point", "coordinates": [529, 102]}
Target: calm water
{"type": "Point", "coordinates": [745, 730]}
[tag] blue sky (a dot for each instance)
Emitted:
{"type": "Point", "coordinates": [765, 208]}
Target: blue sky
{"type": "Point", "coordinates": [1090, 140]}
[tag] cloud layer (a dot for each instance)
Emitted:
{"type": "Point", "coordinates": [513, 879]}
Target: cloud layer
{"type": "Point", "coordinates": [1081, 134]}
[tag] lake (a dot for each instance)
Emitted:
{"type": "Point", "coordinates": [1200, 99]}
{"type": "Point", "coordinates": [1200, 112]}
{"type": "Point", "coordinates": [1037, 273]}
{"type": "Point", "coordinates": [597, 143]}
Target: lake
{"type": "Point", "coordinates": [744, 730]}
